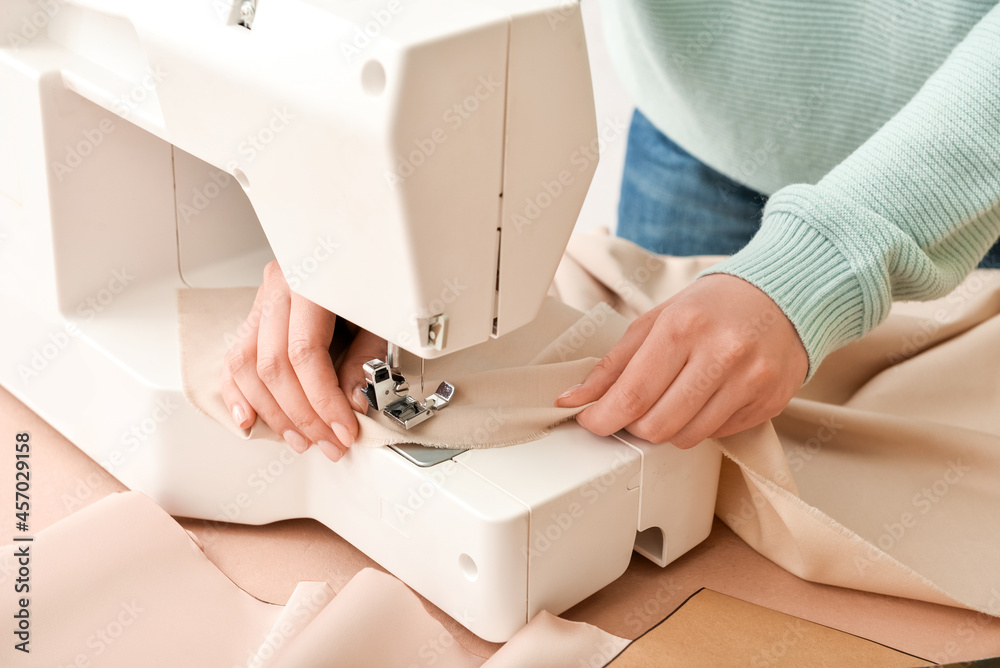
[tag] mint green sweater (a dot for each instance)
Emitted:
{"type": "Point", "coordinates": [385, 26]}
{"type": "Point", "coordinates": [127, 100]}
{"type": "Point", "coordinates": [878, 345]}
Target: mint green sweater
{"type": "Point", "coordinates": [874, 126]}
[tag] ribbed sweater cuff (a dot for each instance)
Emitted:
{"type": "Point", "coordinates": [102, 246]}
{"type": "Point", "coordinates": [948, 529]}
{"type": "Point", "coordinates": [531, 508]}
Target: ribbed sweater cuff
{"type": "Point", "coordinates": [808, 278]}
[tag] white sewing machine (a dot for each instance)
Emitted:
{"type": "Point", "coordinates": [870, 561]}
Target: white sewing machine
{"type": "Point", "coordinates": [380, 151]}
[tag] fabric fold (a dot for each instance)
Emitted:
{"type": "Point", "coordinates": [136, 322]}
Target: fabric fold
{"type": "Point", "coordinates": [882, 474]}
{"type": "Point", "coordinates": [145, 595]}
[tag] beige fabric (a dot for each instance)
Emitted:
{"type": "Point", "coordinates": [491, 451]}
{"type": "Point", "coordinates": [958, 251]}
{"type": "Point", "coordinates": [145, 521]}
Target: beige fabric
{"type": "Point", "coordinates": [883, 474]}
{"type": "Point", "coordinates": [145, 595]}
{"type": "Point", "coordinates": [505, 388]}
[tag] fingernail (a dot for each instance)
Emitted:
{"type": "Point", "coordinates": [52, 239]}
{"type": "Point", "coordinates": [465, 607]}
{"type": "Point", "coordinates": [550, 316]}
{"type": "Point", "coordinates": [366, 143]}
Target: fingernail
{"type": "Point", "coordinates": [570, 391]}
{"type": "Point", "coordinates": [330, 450]}
{"type": "Point", "coordinates": [360, 399]}
{"type": "Point", "coordinates": [295, 441]}
{"type": "Point", "coordinates": [238, 415]}
{"type": "Point", "coordinates": [343, 435]}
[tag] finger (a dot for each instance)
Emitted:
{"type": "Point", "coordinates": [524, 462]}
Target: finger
{"type": "Point", "coordinates": [242, 364]}
{"type": "Point", "coordinates": [681, 403]}
{"type": "Point", "coordinates": [717, 411]}
{"type": "Point", "coordinates": [310, 330]}
{"type": "Point", "coordinates": [241, 410]}
{"type": "Point", "coordinates": [609, 369]}
{"type": "Point", "coordinates": [243, 354]}
{"type": "Point", "coordinates": [365, 347]}
{"type": "Point", "coordinates": [751, 415]}
{"type": "Point", "coordinates": [646, 377]}
{"type": "Point", "coordinates": [275, 370]}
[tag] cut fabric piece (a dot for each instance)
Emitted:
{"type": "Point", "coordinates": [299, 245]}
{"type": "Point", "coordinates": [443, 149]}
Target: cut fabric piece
{"type": "Point", "coordinates": [518, 376]}
{"type": "Point", "coordinates": [145, 595]}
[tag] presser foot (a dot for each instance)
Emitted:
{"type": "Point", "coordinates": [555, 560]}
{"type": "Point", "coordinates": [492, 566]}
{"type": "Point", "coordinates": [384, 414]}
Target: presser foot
{"type": "Point", "coordinates": [386, 391]}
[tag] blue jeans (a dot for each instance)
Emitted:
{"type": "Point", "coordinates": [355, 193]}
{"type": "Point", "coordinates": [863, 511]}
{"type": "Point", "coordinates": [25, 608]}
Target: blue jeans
{"type": "Point", "coordinates": [672, 203]}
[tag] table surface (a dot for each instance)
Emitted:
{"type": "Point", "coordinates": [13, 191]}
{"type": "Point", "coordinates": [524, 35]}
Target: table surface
{"type": "Point", "coordinates": [267, 561]}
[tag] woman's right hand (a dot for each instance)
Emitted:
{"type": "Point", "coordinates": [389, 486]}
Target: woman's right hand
{"type": "Point", "coordinates": [281, 371]}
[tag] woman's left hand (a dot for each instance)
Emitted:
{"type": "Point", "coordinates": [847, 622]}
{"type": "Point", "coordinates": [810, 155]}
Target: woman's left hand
{"type": "Point", "coordinates": [717, 358]}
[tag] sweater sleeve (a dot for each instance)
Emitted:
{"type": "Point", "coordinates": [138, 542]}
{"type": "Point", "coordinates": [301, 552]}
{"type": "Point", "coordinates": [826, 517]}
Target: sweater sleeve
{"type": "Point", "coordinates": [906, 216]}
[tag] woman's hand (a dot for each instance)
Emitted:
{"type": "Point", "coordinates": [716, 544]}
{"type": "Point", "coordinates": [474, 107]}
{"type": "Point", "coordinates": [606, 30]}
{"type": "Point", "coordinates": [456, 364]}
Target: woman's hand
{"type": "Point", "coordinates": [717, 358]}
{"type": "Point", "coordinates": [282, 372]}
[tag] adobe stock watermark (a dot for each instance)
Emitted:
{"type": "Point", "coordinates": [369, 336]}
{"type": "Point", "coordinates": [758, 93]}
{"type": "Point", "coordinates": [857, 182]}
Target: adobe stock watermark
{"type": "Point", "coordinates": [257, 483]}
{"type": "Point", "coordinates": [84, 489]}
{"type": "Point", "coordinates": [378, 20]}
{"type": "Point", "coordinates": [295, 275]}
{"type": "Point", "coordinates": [35, 23]}
{"type": "Point", "coordinates": [793, 632]}
{"type": "Point", "coordinates": [450, 293]}
{"type": "Point", "coordinates": [550, 190]}
{"type": "Point", "coordinates": [453, 117]}
{"type": "Point", "coordinates": [493, 422]}
{"type": "Point", "coordinates": [281, 633]}
{"type": "Point", "coordinates": [299, 272]}
{"type": "Point", "coordinates": [132, 438]}
{"type": "Point", "coordinates": [103, 638]}
{"type": "Point", "coordinates": [628, 286]}
{"type": "Point", "coordinates": [968, 629]}
{"type": "Point", "coordinates": [418, 497]}
{"type": "Point", "coordinates": [702, 39]}
{"type": "Point", "coordinates": [607, 650]}
{"type": "Point", "coordinates": [95, 304]}
{"type": "Point", "coordinates": [128, 103]}
{"type": "Point", "coordinates": [961, 295]}
{"type": "Point", "coordinates": [233, 338]}
{"type": "Point", "coordinates": [41, 357]}
{"type": "Point", "coordinates": [663, 601]}
{"type": "Point", "coordinates": [797, 458]}
{"type": "Point", "coordinates": [257, 142]}
{"type": "Point", "coordinates": [434, 648]}
{"type": "Point", "coordinates": [75, 154]}
{"type": "Point", "coordinates": [202, 197]}
{"type": "Point", "coordinates": [785, 127]}
{"type": "Point", "coordinates": [803, 453]}
{"type": "Point", "coordinates": [249, 148]}
{"type": "Point", "coordinates": [921, 503]}
{"type": "Point", "coordinates": [561, 523]}
{"type": "Point", "coordinates": [561, 14]}
{"type": "Point", "coordinates": [750, 332]}
{"type": "Point", "coordinates": [577, 336]}
{"type": "Point", "coordinates": [91, 139]}
{"type": "Point", "coordinates": [141, 431]}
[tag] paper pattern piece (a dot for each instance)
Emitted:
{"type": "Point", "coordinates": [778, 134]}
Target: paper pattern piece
{"type": "Point", "coordinates": [753, 636]}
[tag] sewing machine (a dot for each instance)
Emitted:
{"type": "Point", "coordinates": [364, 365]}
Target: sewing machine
{"type": "Point", "coordinates": [416, 168]}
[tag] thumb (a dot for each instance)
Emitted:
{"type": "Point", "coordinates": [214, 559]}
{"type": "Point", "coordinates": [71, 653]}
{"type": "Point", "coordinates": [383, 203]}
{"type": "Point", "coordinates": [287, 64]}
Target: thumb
{"type": "Point", "coordinates": [606, 372]}
{"type": "Point", "coordinates": [365, 347]}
